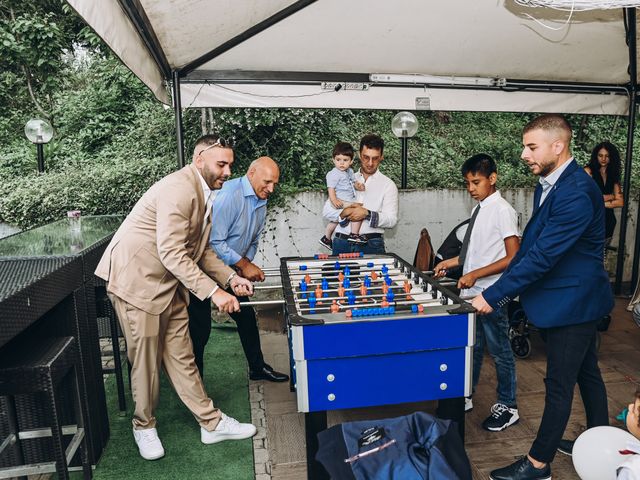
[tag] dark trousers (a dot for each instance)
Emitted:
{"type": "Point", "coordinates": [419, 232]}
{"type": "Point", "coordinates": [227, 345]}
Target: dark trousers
{"type": "Point", "coordinates": [200, 329]}
{"type": "Point", "coordinates": [571, 357]}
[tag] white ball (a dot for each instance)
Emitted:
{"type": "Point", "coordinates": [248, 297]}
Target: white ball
{"type": "Point", "coordinates": [596, 452]}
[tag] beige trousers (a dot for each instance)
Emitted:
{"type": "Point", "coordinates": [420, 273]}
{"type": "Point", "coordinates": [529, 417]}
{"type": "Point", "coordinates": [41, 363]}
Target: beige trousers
{"type": "Point", "coordinates": [162, 340]}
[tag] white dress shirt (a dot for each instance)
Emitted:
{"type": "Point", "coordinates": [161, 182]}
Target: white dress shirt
{"type": "Point", "coordinates": [380, 197]}
{"type": "Point", "coordinates": [496, 221]}
{"type": "Point", "coordinates": [550, 180]}
{"type": "Point", "coordinates": [209, 195]}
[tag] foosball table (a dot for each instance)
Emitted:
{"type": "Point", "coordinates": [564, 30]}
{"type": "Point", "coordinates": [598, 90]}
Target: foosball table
{"type": "Point", "coordinates": [367, 330]}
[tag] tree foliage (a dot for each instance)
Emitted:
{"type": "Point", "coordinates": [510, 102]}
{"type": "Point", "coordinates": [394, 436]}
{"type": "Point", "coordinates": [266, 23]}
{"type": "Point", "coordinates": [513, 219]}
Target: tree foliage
{"type": "Point", "coordinates": [113, 139]}
{"type": "Point", "coordinates": [34, 38]}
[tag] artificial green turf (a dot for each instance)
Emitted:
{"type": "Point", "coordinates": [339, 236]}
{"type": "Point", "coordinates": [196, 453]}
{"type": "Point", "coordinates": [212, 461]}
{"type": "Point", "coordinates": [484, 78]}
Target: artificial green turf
{"type": "Point", "coordinates": [186, 457]}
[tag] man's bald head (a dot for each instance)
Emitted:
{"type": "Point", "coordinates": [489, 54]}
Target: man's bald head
{"type": "Point", "coordinates": [263, 174]}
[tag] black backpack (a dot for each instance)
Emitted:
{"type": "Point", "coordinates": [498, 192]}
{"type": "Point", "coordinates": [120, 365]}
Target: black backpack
{"type": "Point", "coordinates": [451, 248]}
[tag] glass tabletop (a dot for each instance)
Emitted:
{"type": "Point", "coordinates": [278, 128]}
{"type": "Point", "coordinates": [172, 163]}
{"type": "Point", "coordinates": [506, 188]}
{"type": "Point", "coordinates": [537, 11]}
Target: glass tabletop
{"type": "Point", "coordinates": [69, 236]}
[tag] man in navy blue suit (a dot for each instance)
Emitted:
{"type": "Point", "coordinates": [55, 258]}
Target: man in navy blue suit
{"type": "Point", "coordinates": [560, 278]}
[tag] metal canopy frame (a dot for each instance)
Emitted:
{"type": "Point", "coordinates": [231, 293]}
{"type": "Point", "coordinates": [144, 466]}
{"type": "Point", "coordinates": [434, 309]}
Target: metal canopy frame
{"type": "Point", "coordinates": [139, 18]}
{"type": "Point", "coordinates": [189, 74]}
{"type": "Point", "coordinates": [630, 28]}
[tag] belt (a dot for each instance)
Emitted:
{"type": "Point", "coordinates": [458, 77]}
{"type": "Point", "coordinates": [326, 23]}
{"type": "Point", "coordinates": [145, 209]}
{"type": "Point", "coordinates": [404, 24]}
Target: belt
{"type": "Point", "coordinates": [368, 236]}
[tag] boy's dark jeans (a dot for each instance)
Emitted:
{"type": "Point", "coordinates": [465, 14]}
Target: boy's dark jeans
{"type": "Point", "coordinates": [493, 330]}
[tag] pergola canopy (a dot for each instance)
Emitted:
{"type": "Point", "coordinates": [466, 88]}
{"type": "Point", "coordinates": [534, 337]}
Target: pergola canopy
{"type": "Point", "coordinates": [473, 55]}
{"type": "Point", "coordinates": [283, 53]}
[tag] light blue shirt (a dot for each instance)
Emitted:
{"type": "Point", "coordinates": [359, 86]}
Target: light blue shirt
{"type": "Point", "coordinates": [342, 182]}
{"type": "Point", "coordinates": [550, 180]}
{"type": "Point", "coordinates": [237, 220]}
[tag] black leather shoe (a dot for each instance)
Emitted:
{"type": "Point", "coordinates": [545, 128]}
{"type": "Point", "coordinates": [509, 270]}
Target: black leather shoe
{"type": "Point", "coordinates": [522, 470]}
{"type": "Point", "coordinates": [566, 446]}
{"type": "Point", "coordinates": [269, 374]}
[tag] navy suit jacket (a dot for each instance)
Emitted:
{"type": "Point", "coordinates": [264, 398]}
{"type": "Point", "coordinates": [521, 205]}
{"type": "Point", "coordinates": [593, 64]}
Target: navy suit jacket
{"type": "Point", "coordinates": [558, 271]}
{"type": "Point", "coordinates": [425, 448]}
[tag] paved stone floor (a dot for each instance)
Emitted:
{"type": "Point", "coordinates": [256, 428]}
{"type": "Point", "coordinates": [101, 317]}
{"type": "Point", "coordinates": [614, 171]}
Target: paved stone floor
{"type": "Point", "coordinates": [285, 440]}
{"type": "Point", "coordinates": [279, 446]}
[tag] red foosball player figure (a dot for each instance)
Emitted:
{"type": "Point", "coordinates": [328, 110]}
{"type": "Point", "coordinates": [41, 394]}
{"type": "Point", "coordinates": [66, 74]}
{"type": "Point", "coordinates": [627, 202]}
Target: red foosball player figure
{"type": "Point", "coordinates": [335, 308]}
{"type": "Point", "coordinates": [307, 279]}
{"type": "Point", "coordinates": [341, 291]}
{"type": "Point", "coordinates": [407, 288]}
{"type": "Point", "coordinates": [319, 294]}
{"type": "Point", "coordinates": [374, 276]}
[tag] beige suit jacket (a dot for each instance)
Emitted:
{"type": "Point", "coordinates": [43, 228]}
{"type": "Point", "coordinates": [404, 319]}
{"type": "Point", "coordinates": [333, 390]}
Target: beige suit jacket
{"type": "Point", "coordinates": [163, 245]}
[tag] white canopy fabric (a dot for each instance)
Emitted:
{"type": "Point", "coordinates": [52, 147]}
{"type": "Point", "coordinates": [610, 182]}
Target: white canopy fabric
{"type": "Point", "coordinates": [345, 41]}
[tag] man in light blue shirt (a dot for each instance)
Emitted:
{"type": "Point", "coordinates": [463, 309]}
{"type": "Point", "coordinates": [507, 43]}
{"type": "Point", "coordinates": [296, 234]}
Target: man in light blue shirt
{"type": "Point", "coordinates": [238, 216]}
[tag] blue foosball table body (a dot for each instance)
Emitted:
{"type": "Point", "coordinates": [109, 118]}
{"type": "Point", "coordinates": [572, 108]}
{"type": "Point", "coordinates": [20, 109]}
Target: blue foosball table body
{"type": "Point", "coordinates": [374, 356]}
{"type": "Point", "coordinates": [382, 362]}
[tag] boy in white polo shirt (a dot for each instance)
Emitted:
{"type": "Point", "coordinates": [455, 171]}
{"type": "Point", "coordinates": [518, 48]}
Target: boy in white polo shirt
{"type": "Point", "coordinates": [491, 241]}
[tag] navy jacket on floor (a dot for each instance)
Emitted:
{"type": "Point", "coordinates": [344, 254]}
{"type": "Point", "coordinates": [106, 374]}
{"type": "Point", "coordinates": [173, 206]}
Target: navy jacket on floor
{"type": "Point", "coordinates": [425, 448]}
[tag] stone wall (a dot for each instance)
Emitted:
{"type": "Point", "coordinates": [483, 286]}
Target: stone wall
{"type": "Point", "coordinates": [6, 230]}
{"type": "Point", "coordinates": [295, 229]}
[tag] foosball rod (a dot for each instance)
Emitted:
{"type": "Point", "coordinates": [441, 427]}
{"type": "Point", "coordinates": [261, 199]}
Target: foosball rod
{"type": "Point", "coordinates": [357, 288]}
{"type": "Point", "coordinates": [327, 307]}
{"type": "Point", "coordinates": [326, 265]}
{"type": "Point", "coordinates": [266, 287]}
{"type": "Point", "coordinates": [351, 276]}
{"type": "Point", "coordinates": [353, 289]}
{"type": "Point", "coordinates": [277, 269]}
{"type": "Point", "coordinates": [360, 275]}
{"type": "Point", "coordinates": [329, 266]}
{"type": "Point", "coordinates": [376, 266]}
{"type": "Point", "coordinates": [375, 295]}
{"type": "Point", "coordinates": [257, 303]}
{"type": "Point", "coordinates": [360, 269]}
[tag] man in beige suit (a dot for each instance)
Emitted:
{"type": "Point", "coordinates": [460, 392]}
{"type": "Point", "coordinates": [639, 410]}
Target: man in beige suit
{"type": "Point", "coordinates": [159, 254]}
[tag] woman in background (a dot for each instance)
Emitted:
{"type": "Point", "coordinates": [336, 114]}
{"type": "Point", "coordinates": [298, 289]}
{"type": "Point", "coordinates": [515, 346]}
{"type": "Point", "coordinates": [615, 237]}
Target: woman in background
{"type": "Point", "coordinates": [604, 167]}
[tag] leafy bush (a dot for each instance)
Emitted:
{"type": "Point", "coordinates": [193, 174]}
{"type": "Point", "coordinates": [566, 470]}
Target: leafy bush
{"type": "Point", "coordinates": [113, 140]}
{"type": "Point", "coordinates": [97, 189]}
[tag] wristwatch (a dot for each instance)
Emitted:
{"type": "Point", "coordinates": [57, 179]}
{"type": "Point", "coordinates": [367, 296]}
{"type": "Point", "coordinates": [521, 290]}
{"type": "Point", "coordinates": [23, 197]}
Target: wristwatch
{"type": "Point", "coordinates": [228, 284]}
{"type": "Point", "coordinates": [368, 217]}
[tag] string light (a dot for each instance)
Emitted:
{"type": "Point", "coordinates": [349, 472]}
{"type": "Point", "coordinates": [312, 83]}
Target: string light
{"type": "Point", "coordinates": [580, 5]}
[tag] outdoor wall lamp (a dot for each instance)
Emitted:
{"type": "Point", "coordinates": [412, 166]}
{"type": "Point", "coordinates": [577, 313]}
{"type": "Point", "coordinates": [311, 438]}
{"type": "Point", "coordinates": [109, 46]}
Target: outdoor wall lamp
{"type": "Point", "coordinates": [39, 132]}
{"type": "Point", "coordinates": [404, 126]}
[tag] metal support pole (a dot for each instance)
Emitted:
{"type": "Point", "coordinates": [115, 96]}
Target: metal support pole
{"type": "Point", "coordinates": [633, 86]}
{"type": "Point", "coordinates": [405, 154]}
{"type": "Point", "coordinates": [177, 107]}
{"type": "Point", "coordinates": [40, 150]}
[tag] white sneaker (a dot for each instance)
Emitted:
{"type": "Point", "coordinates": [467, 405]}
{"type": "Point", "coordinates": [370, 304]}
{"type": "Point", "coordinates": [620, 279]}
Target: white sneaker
{"type": "Point", "coordinates": [468, 404]}
{"type": "Point", "coordinates": [227, 429]}
{"type": "Point", "coordinates": [148, 443]}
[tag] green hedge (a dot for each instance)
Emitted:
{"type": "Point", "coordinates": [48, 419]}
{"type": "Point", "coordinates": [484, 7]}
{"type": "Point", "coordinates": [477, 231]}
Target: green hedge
{"type": "Point", "coordinates": [96, 189]}
{"type": "Point", "coordinates": [113, 140]}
